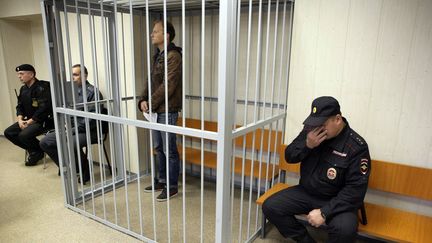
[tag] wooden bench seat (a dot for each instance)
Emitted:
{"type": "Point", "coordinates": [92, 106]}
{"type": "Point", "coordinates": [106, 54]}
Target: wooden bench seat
{"type": "Point", "coordinates": [382, 221]}
{"type": "Point", "coordinates": [193, 155]}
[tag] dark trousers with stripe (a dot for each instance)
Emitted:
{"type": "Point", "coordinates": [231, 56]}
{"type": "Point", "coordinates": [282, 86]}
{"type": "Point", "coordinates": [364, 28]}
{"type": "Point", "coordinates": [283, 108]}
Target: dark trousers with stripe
{"type": "Point", "coordinates": [281, 208]}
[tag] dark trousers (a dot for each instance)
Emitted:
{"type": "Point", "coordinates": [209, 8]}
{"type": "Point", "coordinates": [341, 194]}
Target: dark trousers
{"type": "Point", "coordinates": [49, 146]}
{"type": "Point", "coordinates": [26, 138]}
{"type": "Point", "coordinates": [281, 208]}
{"type": "Point", "coordinates": [159, 143]}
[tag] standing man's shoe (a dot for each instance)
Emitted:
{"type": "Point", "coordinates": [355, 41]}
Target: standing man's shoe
{"type": "Point", "coordinates": [163, 196]}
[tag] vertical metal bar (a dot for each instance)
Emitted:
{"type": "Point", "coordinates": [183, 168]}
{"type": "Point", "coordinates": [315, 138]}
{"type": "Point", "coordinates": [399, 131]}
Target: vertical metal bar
{"type": "Point", "coordinates": [238, 22]}
{"type": "Point", "coordinates": [150, 108]}
{"type": "Point", "coordinates": [184, 116]}
{"type": "Point", "coordinates": [202, 115]}
{"type": "Point", "coordinates": [72, 168]}
{"type": "Point", "coordinates": [226, 74]}
{"type": "Point", "coordinates": [272, 94]}
{"type": "Point", "coordinates": [288, 64]}
{"type": "Point", "coordinates": [132, 47]}
{"type": "Point", "coordinates": [257, 77]}
{"type": "Point", "coordinates": [115, 109]}
{"type": "Point", "coordinates": [246, 109]}
{"type": "Point", "coordinates": [125, 127]}
{"type": "Point", "coordinates": [97, 98]}
{"type": "Point", "coordinates": [266, 58]}
{"type": "Point", "coordinates": [84, 89]}
{"type": "Point", "coordinates": [167, 158]}
{"type": "Point", "coordinates": [46, 10]}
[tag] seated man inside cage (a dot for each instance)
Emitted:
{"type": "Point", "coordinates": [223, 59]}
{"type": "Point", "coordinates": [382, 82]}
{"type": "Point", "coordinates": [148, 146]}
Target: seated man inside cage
{"type": "Point", "coordinates": [155, 102]}
{"type": "Point", "coordinates": [334, 174]}
{"type": "Point", "coordinates": [34, 114]}
{"type": "Point", "coordinates": [49, 143]}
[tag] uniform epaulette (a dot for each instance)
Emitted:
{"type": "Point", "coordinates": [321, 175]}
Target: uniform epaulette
{"type": "Point", "coordinates": [357, 138]}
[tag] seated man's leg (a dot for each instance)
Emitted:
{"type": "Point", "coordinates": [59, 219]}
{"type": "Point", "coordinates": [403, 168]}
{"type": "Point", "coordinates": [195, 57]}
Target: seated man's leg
{"type": "Point", "coordinates": [12, 133]}
{"type": "Point", "coordinates": [49, 145]}
{"type": "Point", "coordinates": [281, 208]}
{"type": "Point", "coordinates": [343, 227]}
{"type": "Point", "coordinates": [82, 140]}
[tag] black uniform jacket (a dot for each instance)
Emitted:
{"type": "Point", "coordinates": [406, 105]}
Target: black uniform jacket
{"type": "Point", "coordinates": [35, 102]}
{"type": "Point", "coordinates": [337, 170]}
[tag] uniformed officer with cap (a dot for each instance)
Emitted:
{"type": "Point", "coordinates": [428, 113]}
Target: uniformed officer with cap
{"type": "Point", "coordinates": [34, 113]}
{"type": "Point", "coordinates": [334, 173]}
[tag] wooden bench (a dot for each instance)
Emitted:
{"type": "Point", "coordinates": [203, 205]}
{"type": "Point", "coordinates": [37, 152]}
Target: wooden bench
{"type": "Point", "coordinates": [193, 155]}
{"type": "Point", "coordinates": [382, 221]}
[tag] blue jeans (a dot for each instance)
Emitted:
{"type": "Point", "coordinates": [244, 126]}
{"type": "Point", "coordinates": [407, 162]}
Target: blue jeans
{"type": "Point", "coordinates": [159, 143]}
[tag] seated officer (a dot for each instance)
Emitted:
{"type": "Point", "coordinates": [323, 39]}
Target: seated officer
{"type": "Point", "coordinates": [49, 142]}
{"type": "Point", "coordinates": [34, 114]}
{"type": "Point", "coordinates": [334, 173]}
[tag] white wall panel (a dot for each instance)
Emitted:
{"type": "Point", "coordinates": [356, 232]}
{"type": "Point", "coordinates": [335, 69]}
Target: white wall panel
{"type": "Point", "coordinates": [303, 62]}
{"type": "Point", "coordinates": [389, 77]}
{"type": "Point", "coordinates": [375, 57]}
{"type": "Point", "coordinates": [413, 144]}
{"type": "Point", "coordinates": [360, 49]}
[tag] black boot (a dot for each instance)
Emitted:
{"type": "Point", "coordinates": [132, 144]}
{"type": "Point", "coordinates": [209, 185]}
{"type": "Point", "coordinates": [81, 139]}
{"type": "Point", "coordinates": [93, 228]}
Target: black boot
{"type": "Point", "coordinates": [306, 238]}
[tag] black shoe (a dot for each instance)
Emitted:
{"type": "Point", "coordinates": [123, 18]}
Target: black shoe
{"type": "Point", "coordinates": [34, 158]}
{"type": "Point", "coordinates": [305, 239]}
{"type": "Point", "coordinates": [158, 187]}
{"type": "Point", "coordinates": [86, 177]}
{"type": "Point", "coordinates": [163, 196]}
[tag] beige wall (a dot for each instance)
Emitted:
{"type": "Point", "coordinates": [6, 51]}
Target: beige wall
{"type": "Point", "coordinates": [375, 57]}
{"type": "Point", "coordinates": [19, 8]}
{"type": "Point", "coordinates": [17, 48]}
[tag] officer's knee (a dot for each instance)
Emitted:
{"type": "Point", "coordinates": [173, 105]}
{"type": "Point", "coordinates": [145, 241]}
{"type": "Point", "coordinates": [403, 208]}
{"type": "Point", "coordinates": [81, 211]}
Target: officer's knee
{"type": "Point", "coordinates": [267, 207]}
{"type": "Point", "coordinates": [345, 230]}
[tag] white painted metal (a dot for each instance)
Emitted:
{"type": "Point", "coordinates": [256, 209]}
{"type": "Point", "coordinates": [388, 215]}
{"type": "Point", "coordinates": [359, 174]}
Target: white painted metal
{"type": "Point", "coordinates": [114, 200]}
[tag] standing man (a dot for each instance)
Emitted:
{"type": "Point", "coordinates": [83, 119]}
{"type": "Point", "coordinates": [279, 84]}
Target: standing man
{"type": "Point", "coordinates": [34, 114]}
{"type": "Point", "coordinates": [157, 98]}
{"type": "Point", "coordinates": [334, 174]}
{"type": "Point", "coordinates": [49, 142]}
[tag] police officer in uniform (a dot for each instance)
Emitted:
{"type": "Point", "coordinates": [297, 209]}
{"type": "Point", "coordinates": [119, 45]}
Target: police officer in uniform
{"type": "Point", "coordinates": [334, 173]}
{"type": "Point", "coordinates": [34, 114]}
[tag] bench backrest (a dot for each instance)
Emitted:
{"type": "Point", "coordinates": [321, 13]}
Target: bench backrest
{"type": "Point", "coordinates": [212, 126]}
{"type": "Point", "coordinates": [385, 176]}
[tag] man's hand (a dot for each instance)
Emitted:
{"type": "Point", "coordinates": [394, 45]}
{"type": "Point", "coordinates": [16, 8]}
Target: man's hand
{"type": "Point", "coordinates": [144, 106]}
{"type": "Point", "coordinates": [22, 124]}
{"type": "Point", "coordinates": [315, 137]}
{"type": "Point", "coordinates": [315, 219]}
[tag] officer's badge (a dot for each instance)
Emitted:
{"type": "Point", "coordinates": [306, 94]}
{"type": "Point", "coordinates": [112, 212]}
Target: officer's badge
{"type": "Point", "coordinates": [364, 166]}
{"type": "Point", "coordinates": [35, 102]}
{"type": "Point", "coordinates": [331, 173]}
{"type": "Point", "coordinates": [314, 109]}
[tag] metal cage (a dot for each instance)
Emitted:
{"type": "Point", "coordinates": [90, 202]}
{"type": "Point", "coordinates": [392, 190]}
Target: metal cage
{"type": "Point", "coordinates": [235, 73]}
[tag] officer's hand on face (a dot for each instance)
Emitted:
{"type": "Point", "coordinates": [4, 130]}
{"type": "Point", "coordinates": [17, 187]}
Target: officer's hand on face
{"type": "Point", "coordinates": [315, 219]}
{"type": "Point", "coordinates": [144, 106]}
{"type": "Point", "coordinates": [315, 137]}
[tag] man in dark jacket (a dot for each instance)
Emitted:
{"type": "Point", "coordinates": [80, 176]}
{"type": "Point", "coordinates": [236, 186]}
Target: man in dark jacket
{"type": "Point", "coordinates": [155, 102]}
{"type": "Point", "coordinates": [34, 114]}
{"type": "Point", "coordinates": [334, 173]}
{"type": "Point", "coordinates": [49, 142]}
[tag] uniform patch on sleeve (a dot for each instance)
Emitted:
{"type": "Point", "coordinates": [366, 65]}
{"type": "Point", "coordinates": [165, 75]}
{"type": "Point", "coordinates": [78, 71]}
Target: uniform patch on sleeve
{"type": "Point", "coordinates": [364, 166]}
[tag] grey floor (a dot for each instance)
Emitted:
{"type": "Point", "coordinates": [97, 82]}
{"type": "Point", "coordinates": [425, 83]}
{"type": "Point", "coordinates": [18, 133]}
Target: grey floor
{"type": "Point", "coordinates": [32, 209]}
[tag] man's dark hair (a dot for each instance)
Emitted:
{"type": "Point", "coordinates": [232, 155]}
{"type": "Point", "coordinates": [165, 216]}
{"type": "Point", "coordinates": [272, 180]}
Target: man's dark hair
{"type": "Point", "coordinates": [79, 65]}
{"type": "Point", "coordinates": [169, 28]}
